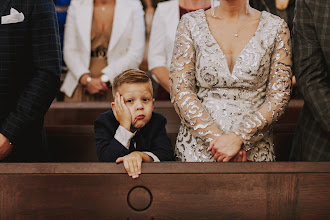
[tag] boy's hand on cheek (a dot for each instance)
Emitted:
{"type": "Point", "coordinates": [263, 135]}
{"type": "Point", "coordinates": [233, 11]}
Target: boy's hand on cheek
{"type": "Point", "coordinates": [121, 112]}
{"type": "Point", "coordinates": [132, 163]}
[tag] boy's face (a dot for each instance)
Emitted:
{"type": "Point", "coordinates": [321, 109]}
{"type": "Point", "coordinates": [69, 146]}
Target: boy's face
{"type": "Point", "coordinates": [139, 101]}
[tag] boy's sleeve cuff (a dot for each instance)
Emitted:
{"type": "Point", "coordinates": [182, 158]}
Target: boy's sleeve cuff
{"type": "Point", "coordinates": [123, 136]}
{"type": "Point", "coordinates": [153, 156]}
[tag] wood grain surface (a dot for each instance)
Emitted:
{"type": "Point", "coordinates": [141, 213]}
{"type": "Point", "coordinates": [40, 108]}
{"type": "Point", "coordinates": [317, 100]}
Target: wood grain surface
{"type": "Point", "coordinates": [279, 190]}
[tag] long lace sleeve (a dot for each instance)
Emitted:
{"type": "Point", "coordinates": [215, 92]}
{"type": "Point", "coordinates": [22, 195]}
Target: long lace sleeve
{"type": "Point", "coordinates": [278, 90]}
{"type": "Point", "coordinates": [183, 86]}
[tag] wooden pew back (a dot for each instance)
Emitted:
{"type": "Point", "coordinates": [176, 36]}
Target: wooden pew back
{"type": "Point", "coordinates": [165, 191]}
{"type": "Point", "coordinates": [69, 128]}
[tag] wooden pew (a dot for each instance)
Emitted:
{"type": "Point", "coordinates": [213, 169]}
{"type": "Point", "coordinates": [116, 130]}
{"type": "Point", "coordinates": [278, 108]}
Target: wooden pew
{"type": "Point", "coordinates": [75, 143]}
{"type": "Point", "coordinates": [279, 190]}
{"type": "Point", "coordinates": [69, 128]}
{"type": "Point", "coordinates": [85, 113]}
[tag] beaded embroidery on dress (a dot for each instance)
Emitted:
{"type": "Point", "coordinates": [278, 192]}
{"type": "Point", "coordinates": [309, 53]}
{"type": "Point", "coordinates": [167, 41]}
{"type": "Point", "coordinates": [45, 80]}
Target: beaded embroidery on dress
{"type": "Point", "coordinates": [211, 101]}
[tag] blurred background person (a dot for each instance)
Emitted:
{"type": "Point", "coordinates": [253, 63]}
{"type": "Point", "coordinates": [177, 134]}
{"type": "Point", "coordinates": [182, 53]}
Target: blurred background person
{"type": "Point", "coordinates": [102, 39]}
{"type": "Point", "coordinates": [149, 7]}
{"type": "Point", "coordinates": [162, 36]}
{"type": "Point", "coordinates": [281, 8]}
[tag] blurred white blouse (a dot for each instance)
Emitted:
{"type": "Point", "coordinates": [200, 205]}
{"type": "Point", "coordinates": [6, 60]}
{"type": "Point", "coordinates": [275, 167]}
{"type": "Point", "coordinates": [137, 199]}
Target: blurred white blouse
{"type": "Point", "coordinates": [162, 34]}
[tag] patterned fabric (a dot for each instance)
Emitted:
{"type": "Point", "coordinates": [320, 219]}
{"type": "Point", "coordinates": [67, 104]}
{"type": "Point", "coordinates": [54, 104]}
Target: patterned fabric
{"type": "Point", "coordinates": [212, 101]}
{"type": "Point", "coordinates": [29, 74]}
{"type": "Point", "coordinates": [312, 65]}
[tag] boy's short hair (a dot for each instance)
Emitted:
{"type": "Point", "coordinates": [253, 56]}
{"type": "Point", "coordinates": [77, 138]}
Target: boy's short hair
{"type": "Point", "coordinates": [130, 76]}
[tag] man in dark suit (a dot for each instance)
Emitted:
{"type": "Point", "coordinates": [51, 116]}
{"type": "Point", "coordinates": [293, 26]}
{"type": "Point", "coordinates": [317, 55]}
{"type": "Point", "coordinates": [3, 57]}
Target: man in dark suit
{"type": "Point", "coordinates": [29, 76]}
{"type": "Point", "coordinates": [312, 66]}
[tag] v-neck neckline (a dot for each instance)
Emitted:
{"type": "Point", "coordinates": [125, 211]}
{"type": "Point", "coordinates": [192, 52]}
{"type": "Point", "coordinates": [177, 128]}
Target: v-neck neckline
{"type": "Point", "coordinates": [219, 47]}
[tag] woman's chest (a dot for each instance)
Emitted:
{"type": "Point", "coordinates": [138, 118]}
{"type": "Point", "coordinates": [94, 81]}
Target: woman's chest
{"type": "Point", "coordinates": [103, 17]}
{"type": "Point", "coordinates": [249, 69]}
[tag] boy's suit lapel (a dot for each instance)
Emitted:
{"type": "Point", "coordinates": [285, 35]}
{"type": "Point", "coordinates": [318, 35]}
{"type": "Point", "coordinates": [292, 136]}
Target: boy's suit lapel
{"type": "Point", "coordinates": [4, 7]}
{"type": "Point", "coordinates": [119, 22]}
{"type": "Point", "coordinates": [84, 20]}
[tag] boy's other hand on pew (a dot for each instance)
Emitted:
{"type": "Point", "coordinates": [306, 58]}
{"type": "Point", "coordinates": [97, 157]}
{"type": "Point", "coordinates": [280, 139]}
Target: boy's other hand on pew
{"type": "Point", "coordinates": [133, 161]}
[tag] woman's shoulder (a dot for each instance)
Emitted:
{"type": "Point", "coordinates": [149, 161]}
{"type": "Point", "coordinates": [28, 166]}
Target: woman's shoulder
{"type": "Point", "coordinates": [194, 16]}
{"type": "Point", "coordinates": [271, 19]}
{"type": "Point", "coordinates": [271, 26]}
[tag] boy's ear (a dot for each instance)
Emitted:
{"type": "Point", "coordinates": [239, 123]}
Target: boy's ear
{"type": "Point", "coordinates": [153, 103]}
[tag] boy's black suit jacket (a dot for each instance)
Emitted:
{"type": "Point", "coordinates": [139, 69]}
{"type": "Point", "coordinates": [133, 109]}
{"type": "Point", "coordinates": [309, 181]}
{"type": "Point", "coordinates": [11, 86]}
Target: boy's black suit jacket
{"type": "Point", "coordinates": [151, 138]}
{"type": "Point", "coordinates": [29, 75]}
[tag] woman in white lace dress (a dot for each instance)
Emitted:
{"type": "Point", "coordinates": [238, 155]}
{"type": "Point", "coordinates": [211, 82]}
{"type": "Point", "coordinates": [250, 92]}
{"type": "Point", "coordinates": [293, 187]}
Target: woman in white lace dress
{"type": "Point", "coordinates": [230, 81]}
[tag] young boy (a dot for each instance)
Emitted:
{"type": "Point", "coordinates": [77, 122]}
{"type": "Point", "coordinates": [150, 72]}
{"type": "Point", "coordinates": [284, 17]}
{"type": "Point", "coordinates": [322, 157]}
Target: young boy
{"type": "Point", "coordinates": [131, 132]}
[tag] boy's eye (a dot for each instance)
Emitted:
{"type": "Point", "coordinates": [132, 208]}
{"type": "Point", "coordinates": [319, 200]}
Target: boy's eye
{"type": "Point", "coordinates": [129, 100]}
{"type": "Point", "coordinates": [145, 99]}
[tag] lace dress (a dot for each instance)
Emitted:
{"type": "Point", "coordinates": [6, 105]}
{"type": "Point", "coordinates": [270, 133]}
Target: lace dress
{"type": "Point", "coordinates": [211, 101]}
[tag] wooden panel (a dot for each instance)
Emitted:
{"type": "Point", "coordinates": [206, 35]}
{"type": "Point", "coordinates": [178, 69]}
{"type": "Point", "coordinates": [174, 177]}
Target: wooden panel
{"type": "Point", "coordinates": [85, 113]}
{"type": "Point", "coordinates": [69, 128]}
{"type": "Point", "coordinates": [178, 190]}
{"type": "Point", "coordinates": [166, 168]}
{"type": "Point", "coordinates": [312, 186]}
{"type": "Point", "coordinates": [76, 143]}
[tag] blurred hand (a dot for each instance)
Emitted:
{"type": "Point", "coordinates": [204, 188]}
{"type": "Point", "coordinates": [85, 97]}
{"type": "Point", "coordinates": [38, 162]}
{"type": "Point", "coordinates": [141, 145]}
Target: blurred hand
{"type": "Point", "coordinates": [225, 147]}
{"type": "Point", "coordinates": [95, 86]}
{"type": "Point", "coordinates": [5, 147]}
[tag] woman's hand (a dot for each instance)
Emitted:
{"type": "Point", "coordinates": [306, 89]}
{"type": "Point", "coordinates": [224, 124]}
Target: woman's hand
{"type": "Point", "coordinates": [132, 163]}
{"type": "Point", "coordinates": [240, 157]}
{"type": "Point", "coordinates": [225, 147]}
{"type": "Point", "coordinates": [95, 86]}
